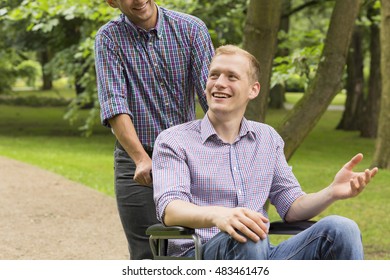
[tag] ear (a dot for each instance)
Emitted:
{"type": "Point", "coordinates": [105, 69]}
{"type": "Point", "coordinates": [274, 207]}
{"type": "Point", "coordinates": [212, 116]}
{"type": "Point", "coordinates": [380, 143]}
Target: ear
{"type": "Point", "coordinates": [112, 3]}
{"type": "Point", "coordinates": [254, 92]}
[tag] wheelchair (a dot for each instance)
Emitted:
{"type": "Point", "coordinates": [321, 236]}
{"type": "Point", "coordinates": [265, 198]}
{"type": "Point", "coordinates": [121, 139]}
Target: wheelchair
{"type": "Point", "coordinates": [160, 234]}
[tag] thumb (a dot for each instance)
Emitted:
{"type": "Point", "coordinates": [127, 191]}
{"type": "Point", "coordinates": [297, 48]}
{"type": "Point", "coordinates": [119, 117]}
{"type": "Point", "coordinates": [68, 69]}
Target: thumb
{"type": "Point", "coordinates": [354, 161]}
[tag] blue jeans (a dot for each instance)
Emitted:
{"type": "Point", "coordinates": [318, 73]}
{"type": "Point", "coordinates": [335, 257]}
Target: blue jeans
{"type": "Point", "coordinates": [136, 207]}
{"type": "Point", "coordinates": [331, 238]}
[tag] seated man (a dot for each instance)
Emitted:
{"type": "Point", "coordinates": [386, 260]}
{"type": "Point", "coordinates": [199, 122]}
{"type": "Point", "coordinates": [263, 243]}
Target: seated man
{"type": "Point", "coordinates": [216, 174]}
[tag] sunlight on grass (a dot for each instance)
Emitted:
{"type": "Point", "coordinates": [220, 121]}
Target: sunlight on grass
{"type": "Point", "coordinates": [293, 97]}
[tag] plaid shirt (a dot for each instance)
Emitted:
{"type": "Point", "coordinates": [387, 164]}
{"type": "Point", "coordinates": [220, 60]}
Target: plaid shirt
{"type": "Point", "coordinates": [152, 75]}
{"type": "Point", "coordinates": [191, 163]}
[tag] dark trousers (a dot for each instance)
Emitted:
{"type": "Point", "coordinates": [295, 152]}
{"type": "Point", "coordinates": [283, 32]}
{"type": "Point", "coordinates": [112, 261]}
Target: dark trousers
{"type": "Point", "coordinates": [135, 205]}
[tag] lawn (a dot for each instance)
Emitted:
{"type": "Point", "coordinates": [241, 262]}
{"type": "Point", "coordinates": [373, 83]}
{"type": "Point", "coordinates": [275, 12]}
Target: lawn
{"type": "Point", "coordinates": [42, 137]}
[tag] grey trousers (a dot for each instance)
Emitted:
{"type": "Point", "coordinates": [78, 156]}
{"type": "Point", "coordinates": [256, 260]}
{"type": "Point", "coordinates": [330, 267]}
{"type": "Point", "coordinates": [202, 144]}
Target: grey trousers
{"type": "Point", "coordinates": [135, 206]}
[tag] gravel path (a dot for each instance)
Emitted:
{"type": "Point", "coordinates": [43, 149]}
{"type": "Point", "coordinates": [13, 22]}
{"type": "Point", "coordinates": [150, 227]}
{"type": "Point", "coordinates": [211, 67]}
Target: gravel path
{"type": "Point", "coordinates": [44, 216]}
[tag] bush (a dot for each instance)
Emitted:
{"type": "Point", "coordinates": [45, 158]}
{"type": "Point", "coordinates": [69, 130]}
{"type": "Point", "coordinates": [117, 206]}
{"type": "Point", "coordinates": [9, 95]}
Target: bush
{"type": "Point", "coordinates": [33, 101]}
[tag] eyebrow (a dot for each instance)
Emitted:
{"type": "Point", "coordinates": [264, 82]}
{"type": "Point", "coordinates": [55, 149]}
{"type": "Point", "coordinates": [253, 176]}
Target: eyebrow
{"type": "Point", "coordinates": [213, 71]}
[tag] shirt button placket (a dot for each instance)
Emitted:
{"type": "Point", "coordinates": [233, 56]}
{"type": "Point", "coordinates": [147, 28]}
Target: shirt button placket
{"type": "Point", "coordinates": [236, 174]}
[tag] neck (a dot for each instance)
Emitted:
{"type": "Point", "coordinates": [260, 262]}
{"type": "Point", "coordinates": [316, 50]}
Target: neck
{"type": "Point", "coordinates": [227, 129]}
{"type": "Point", "coordinates": [153, 20]}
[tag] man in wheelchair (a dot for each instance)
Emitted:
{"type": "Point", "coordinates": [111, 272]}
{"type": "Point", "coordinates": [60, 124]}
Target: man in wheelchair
{"type": "Point", "coordinates": [216, 174]}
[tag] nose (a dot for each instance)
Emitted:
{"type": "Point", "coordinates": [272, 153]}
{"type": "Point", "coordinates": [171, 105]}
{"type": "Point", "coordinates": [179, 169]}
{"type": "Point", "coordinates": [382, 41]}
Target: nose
{"type": "Point", "coordinates": [220, 82]}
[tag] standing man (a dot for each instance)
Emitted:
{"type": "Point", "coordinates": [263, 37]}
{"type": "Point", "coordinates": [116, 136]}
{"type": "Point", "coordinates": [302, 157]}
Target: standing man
{"type": "Point", "coordinates": [150, 62]}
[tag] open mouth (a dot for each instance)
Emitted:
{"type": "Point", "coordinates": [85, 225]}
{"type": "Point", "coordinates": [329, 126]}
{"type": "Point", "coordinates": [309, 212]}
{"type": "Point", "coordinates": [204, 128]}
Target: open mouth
{"type": "Point", "coordinates": [141, 7]}
{"type": "Point", "coordinates": [220, 95]}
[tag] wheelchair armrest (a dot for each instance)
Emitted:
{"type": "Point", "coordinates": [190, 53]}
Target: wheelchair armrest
{"type": "Point", "coordinates": [159, 235]}
{"type": "Point", "coordinates": [289, 228]}
{"type": "Point", "coordinates": [161, 230]}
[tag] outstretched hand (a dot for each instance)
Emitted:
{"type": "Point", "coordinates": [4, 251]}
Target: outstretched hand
{"type": "Point", "coordinates": [348, 183]}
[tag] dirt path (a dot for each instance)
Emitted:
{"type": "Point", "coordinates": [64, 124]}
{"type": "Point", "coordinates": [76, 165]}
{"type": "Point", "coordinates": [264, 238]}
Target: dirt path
{"type": "Point", "coordinates": [44, 216]}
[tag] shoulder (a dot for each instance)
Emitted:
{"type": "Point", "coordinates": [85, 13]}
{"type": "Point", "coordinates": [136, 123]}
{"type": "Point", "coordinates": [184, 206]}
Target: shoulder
{"type": "Point", "coordinates": [182, 19]}
{"type": "Point", "coordinates": [111, 27]}
{"type": "Point", "coordinates": [265, 131]}
{"type": "Point", "coordinates": [179, 133]}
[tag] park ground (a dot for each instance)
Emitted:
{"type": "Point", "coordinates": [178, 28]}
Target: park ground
{"type": "Point", "coordinates": [44, 216]}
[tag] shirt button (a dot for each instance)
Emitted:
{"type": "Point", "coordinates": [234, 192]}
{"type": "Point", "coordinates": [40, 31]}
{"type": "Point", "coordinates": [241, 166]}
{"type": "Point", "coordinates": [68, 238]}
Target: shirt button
{"type": "Point", "coordinates": [150, 43]}
{"type": "Point", "coordinates": [167, 103]}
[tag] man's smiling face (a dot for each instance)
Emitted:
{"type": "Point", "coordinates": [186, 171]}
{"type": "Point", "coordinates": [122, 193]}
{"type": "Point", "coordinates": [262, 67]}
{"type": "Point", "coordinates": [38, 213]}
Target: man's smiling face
{"type": "Point", "coordinates": [142, 13]}
{"type": "Point", "coordinates": [229, 85]}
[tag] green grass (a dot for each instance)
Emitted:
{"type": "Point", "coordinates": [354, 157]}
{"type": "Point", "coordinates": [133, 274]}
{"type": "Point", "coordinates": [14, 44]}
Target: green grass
{"type": "Point", "coordinates": [41, 137]}
{"type": "Point", "coordinates": [293, 97]}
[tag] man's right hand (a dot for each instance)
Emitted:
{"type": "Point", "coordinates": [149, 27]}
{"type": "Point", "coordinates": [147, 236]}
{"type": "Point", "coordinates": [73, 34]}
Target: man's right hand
{"type": "Point", "coordinates": [143, 173]}
{"type": "Point", "coordinates": [124, 131]}
{"type": "Point", "coordinates": [242, 223]}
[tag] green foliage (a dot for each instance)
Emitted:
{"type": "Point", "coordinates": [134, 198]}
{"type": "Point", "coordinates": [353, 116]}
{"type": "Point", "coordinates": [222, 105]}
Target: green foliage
{"type": "Point", "coordinates": [66, 29]}
{"type": "Point", "coordinates": [304, 43]}
{"type": "Point", "coordinates": [296, 70]}
{"type": "Point", "coordinates": [14, 66]}
{"type": "Point", "coordinates": [7, 73]}
{"type": "Point", "coordinates": [28, 69]}
{"type": "Point", "coordinates": [224, 18]}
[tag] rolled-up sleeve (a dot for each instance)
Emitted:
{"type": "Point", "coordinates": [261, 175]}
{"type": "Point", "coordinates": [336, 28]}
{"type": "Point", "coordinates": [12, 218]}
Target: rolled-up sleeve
{"type": "Point", "coordinates": [171, 175]}
{"type": "Point", "coordinates": [111, 82]}
{"type": "Point", "coordinates": [285, 187]}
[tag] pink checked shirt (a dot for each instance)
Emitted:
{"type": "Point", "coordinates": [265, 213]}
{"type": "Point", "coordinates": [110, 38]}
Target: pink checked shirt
{"type": "Point", "coordinates": [191, 163]}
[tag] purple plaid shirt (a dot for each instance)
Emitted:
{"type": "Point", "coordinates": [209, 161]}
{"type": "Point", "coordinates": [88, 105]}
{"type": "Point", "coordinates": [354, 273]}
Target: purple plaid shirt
{"type": "Point", "coordinates": [152, 75]}
{"type": "Point", "coordinates": [191, 163]}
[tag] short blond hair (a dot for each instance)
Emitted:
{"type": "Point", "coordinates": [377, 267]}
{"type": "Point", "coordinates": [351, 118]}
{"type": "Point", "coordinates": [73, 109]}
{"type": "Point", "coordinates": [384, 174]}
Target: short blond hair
{"type": "Point", "coordinates": [254, 71]}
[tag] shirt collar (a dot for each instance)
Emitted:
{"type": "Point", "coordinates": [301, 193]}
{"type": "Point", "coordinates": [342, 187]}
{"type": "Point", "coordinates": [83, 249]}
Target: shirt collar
{"type": "Point", "coordinates": [158, 28]}
{"type": "Point", "coordinates": [207, 129]}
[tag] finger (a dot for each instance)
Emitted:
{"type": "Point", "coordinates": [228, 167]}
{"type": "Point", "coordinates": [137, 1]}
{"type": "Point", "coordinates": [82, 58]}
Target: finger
{"type": "Point", "coordinates": [235, 235]}
{"type": "Point", "coordinates": [252, 229]}
{"type": "Point", "coordinates": [374, 171]}
{"type": "Point", "coordinates": [362, 182]}
{"type": "Point", "coordinates": [259, 220]}
{"type": "Point", "coordinates": [143, 179]}
{"type": "Point", "coordinates": [357, 184]}
{"type": "Point", "coordinates": [354, 161]}
{"type": "Point", "coordinates": [367, 174]}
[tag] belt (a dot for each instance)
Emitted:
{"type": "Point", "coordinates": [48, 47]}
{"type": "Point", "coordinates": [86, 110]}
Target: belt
{"type": "Point", "coordinates": [148, 150]}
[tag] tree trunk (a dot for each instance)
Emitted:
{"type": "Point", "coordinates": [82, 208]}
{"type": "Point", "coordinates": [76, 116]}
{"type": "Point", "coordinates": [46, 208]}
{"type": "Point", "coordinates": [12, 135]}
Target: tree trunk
{"type": "Point", "coordinates": [277, 93]}
{"type": "Point", "coordinates": [47, 78]}
{"type": "Point", "coordinates": [326, 84]}
{"type": "Point", "coordinates": [277, 97]}
{"type": "Point", "coordinates": [382, 151]}
{"type": "Point", "coordinates": [369, 127]}
{"type": "Point", "coordinates": [355, 83]}
{"type": "Point", "coordinates": [260, 38]}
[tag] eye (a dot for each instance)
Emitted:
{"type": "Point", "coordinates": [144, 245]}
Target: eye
{"type": "Point", "coordinates": [213, 76]}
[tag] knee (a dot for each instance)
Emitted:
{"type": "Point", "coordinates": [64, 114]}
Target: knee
{"type": "Point", "coordinates": [224, 247]}
{"type": "Point", "coordinates": [251, 250]}
{"type": "Point", "coordinates": [342, 227]}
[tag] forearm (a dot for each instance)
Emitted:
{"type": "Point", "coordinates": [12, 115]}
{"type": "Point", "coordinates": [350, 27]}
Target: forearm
{"type": "Point", "coordinates": [186, 214]}
{"type": "Point", "coordinates": [309, 205]}
{"type": "Point", "coordinates": [125, 133]}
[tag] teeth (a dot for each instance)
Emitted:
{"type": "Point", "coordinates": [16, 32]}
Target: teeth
{"type": "Point", "coordinates": [140, 8]}
{"type": "Point", "coordinates": [220, 95]}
